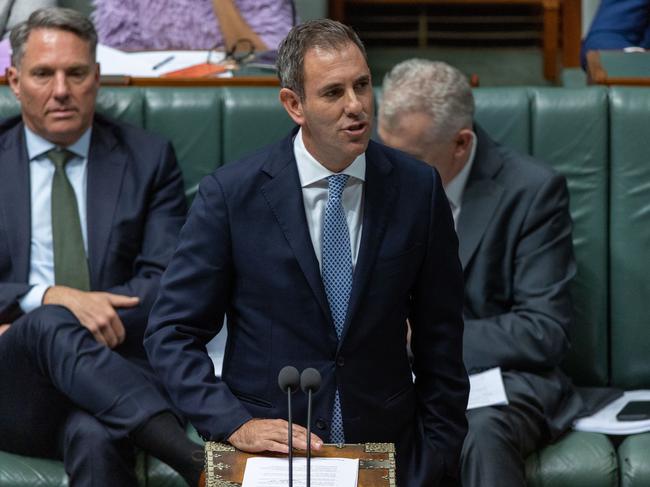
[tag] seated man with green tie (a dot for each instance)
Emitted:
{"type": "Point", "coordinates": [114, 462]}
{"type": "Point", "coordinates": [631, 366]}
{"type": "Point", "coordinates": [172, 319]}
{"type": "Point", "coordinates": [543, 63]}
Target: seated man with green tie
{"type": "Point", "coordinates": [90, 210]}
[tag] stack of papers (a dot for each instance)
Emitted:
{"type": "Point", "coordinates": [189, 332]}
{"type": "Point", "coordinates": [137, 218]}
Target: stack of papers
{"type": "Point", "coordinates": [149, 64]}
{"type": "Point", "coordinates": [604, 421]}
{"type": "Point", "coordinates": [325, 472]}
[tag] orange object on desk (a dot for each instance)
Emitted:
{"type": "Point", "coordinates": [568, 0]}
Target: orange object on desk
{"type": "Point", "coordinates": [197, 71]}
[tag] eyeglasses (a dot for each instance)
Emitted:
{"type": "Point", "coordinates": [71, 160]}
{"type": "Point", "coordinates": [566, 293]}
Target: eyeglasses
{"type": "Point", "coordinates": [241, 51]}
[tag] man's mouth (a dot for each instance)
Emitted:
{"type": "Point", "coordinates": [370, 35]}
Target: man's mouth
{"type": "Point", "coordinates": [61, 111]}
{"type": "Point", "coordinates": [356, 129]}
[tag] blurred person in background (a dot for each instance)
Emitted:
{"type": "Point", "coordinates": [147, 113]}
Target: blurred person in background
{"type": "Point", "coordinates": [618, 24]}
{"type": "Point", "coordinates": [192, 24]}
{"type": "Point", "coordinates": [13, 12]}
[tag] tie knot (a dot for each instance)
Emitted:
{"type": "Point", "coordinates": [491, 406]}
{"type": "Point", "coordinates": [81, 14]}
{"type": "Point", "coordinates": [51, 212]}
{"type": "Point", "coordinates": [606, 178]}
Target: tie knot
{"type": "Point", "coordinates": [335, 185]}
{"type": "Point", "coordinates": [59, 157]}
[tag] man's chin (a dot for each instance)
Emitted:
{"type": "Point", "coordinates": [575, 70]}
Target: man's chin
{"type": "Point", "coordinates": [64, 132]}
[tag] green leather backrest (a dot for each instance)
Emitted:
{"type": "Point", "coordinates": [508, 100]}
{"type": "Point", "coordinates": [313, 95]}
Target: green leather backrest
{"type": "Point", "coordinates": [505, 114]}
{"type": "Point", "coordinates": [252, 118]}
{"type": "Point", "coordinates": [570, 132]}
{"type": "Point", "coordinates": [630, 236]}
{"type": "Point", "coordinates": [8, 104]}
{"type": "Point", "coordinates": [192, 119]}
{"type": "Point", "coordinates": [122, 103]}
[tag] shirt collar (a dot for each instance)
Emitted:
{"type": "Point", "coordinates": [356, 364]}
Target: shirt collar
{"type": "Point", "coordinates": [37, 145]}
{"type": "Point", "coordinates": [312, 171]}
{"type": "Point", "coordinates": [456, 187]}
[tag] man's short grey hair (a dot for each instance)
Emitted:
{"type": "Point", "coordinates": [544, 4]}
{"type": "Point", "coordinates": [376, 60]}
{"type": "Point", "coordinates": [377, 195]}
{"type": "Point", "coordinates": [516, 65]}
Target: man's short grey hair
{"type": "Point", "coordinates": [431, 87]}
{"type": "Point", "coordinates": [324, 34]}
{"type": "Point", "coordinates": [52, 18]}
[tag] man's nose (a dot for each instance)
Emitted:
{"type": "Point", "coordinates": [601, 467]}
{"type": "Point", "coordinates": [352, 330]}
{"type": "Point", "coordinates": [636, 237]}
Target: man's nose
{"type": "Point", "coordinates": [61, 88]}
{"type": "Point", "coordinates": [353, 105]}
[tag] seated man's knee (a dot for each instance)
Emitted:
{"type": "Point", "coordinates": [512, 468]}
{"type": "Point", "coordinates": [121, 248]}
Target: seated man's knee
{"type": "Point", "coordinates": [486, 427]}
{"type": "Point", "coordinates": [84, 432]}
{"type": "Point", "coordinates": [46, 319]}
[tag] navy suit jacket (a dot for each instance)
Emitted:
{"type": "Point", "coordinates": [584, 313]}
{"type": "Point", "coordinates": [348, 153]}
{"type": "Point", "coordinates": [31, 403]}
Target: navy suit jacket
{"type": "Point", "coordinates": [135, 208]}
{"type": "Point", "coordinates": [618, 24]}
{"type": "Point", "coordinates": [245, 251]}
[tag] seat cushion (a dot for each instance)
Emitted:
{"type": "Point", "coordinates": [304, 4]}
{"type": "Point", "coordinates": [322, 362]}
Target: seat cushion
{"type": "Point", "coordinates": [577, 460]}
{"type": "Point", "coordinates": [634, 460]}
{"type": "Point", "coordinates": [19, 471]}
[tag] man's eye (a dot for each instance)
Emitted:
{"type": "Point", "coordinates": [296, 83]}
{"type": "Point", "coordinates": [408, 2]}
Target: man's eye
{"type": "Point", "coordinates": [41, 73]}
{"type": "Point", "coordinates": [361, 85]}
{"type": "Point", "coordinates": [77, 73]}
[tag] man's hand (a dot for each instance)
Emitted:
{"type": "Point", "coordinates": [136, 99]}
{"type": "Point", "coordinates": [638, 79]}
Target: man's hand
{"type": "Point", "coordinates": [94, 310]}
{"type": "Point", "coordinates": [4, 327]}
{"type": "Point", "coordinates": [259, 435]}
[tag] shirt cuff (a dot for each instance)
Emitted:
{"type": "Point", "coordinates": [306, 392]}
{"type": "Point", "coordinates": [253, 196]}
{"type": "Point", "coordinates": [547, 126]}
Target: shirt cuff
{"type": "Point", "coordinates": [34, 298]}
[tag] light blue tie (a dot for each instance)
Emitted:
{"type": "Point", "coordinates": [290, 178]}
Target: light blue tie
{"type": "Point", "coordinates": [337, 274]}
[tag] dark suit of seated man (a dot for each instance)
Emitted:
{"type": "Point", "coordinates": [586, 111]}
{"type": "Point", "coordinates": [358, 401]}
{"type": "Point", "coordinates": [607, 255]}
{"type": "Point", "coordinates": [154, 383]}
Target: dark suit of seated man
{"type": "Point", "coordinates": [514, 229]}
{"type": "Point", "coordinates": [89, 214]}
{"type": "Point", "coordinates": [318, 249]}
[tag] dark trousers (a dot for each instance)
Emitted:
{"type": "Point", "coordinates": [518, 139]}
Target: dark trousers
{"type": "Point", "coordinates": [501, 437]}
{"type": "Point", "coordinates": [63, 395]}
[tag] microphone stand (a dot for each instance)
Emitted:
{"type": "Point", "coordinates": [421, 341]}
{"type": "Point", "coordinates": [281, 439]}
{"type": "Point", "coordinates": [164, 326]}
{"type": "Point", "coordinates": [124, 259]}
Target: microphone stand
{"type": "Point", "coordinates": [290, 439]}
{"type": "Point", "coordinates": [310, 381]}
{"type": "Point", "coordinates": [288, 380]}
{"type": "Point", "coordinates": [308, 438]}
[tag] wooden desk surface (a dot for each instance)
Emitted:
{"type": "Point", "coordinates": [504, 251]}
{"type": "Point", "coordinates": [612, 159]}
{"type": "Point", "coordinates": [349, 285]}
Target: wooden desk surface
{"type": "Point", "coordinates": [225, 466]}
{"type": "Point", "coordinates": [616, 67]}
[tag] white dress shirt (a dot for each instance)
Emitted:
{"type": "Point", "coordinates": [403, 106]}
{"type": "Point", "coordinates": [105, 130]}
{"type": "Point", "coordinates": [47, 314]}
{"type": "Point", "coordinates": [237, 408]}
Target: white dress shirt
{"type": "Point", "coordinates": [313, 180]}
{"type": "Point", "coordinates": [41, 173]}
{"type": "Point", "coordinates": [456, 187]}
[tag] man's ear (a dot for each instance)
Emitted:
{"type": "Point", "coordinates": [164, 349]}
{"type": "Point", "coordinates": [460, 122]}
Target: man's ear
{"type": "Point", "coordinates": [13, 78]}
{"type": "Point", "coordinates": [463, 143]}
{"type": "Point", "coordinates": [292, 104]}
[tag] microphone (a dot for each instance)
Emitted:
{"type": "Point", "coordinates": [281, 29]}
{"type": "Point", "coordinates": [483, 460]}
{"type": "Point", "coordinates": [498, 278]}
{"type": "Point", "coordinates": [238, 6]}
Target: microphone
{"type": "Point", "coordinates": [309, 383]}
{"type": "Point", "coordinates": [288, 380]}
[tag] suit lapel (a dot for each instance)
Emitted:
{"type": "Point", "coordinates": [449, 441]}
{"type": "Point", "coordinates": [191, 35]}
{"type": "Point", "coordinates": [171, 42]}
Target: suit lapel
{"type": "Point", "coordinates": [480, 198]}
{"type": "Point", "coordinates": [105, 171]}
{"type": "Point", "coordinates": [15, 200]}
{"type": "Point", "coordinates": [284, 196]}
{"type": "Point", "coordinates": [380, 193]}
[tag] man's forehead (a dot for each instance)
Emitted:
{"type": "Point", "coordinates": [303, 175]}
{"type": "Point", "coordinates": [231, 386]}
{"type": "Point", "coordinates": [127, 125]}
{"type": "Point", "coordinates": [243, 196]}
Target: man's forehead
{"type": "Point", "coordinates": [50, 35]}
{"type": "Point", "coordinates": [46, 43]}
{"type": "Point", "coordinates": [320, 58]}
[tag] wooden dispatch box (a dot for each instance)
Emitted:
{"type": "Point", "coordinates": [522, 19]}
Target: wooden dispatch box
{"type": "Point", "coordinates": [224, 465]}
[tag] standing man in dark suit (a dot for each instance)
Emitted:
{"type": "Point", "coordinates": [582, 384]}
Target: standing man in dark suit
{"type": "Point", "coordinates": [318, 249]}
{"type": "Point", "coordinates": [89, 214]}
{"type": "Point", "coordinates": [512, 217]}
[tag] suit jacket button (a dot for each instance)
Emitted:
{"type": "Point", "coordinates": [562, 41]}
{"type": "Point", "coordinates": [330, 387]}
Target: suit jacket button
{"type": "Point", "coordinates": [340, 361]}
{"type": "Point", "coordinates": [321, 424]}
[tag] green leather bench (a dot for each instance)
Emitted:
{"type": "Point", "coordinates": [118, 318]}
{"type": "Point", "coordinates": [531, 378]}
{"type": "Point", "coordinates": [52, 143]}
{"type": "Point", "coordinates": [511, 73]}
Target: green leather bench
{"type": "Point", "coordinates": [598, 138]}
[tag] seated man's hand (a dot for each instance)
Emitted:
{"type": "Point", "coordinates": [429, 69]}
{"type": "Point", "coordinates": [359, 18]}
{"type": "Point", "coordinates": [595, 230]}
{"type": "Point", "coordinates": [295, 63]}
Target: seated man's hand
{"type": "Point", "coordinates": [4, 327]}
{"type": "Point", "coordinates": [259, 435]}
{"type": "Point", "coordinates": [94, 310]}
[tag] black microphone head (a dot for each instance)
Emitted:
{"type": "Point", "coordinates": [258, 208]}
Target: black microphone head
{"type": "Point", "coordinates": [310, 380]}
{"type": "Point", "coordinates": [288, 378]}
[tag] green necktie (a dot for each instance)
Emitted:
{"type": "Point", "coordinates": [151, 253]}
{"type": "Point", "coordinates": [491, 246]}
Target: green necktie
{"type": "Point", "coordinates": [70, 263]}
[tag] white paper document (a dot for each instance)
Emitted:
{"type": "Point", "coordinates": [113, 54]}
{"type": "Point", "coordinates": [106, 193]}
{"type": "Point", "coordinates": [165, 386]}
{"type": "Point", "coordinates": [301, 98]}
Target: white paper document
{"type": "Point", "coordinates": [486, 389]}
{"type": "Point", "coordinates": [604, 421]}
{"type": "Point", "coordinates": [149, 64]}
{"type": "Point", "coordinates": [325, 472]}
